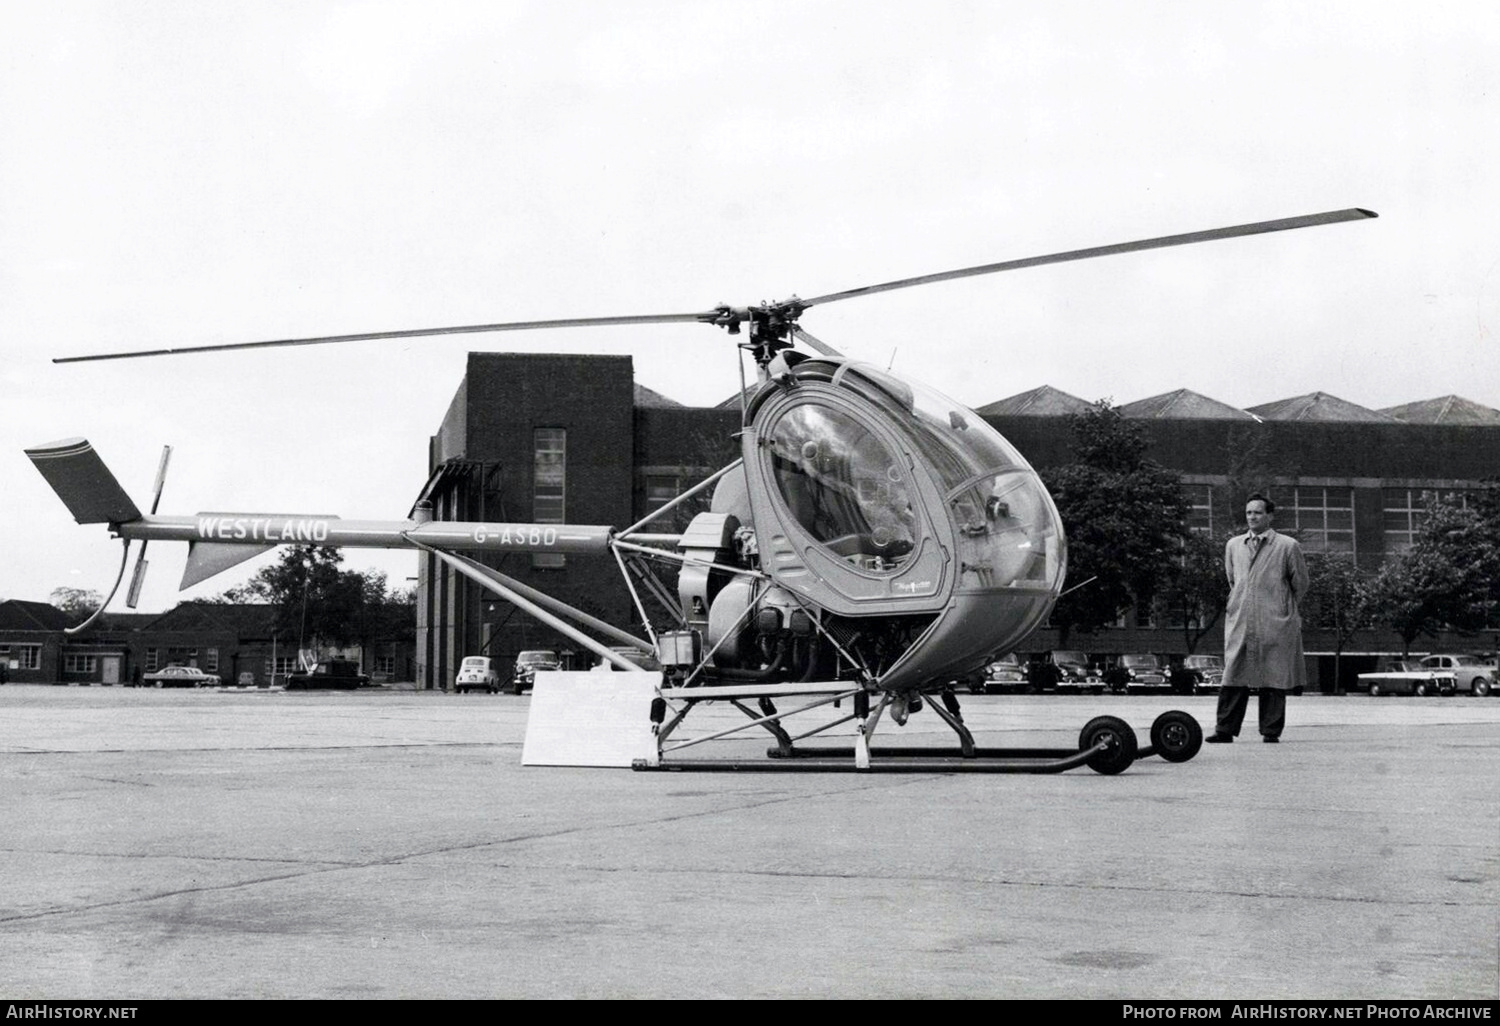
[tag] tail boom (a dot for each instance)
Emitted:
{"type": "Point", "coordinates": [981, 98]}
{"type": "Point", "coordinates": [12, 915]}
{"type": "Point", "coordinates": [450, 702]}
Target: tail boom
{"type": "Point", "coordinates": [266, 529]}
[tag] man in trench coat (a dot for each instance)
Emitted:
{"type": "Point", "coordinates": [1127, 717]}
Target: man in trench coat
{"type": "Point", "coordinates": [1262, 624]}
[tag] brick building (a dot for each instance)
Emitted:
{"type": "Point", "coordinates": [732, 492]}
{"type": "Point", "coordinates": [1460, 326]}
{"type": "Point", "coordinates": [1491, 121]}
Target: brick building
{"type": "Point", "coordinates": [236, 641]}
{"type": "Point", "coordinates": [551, 438]}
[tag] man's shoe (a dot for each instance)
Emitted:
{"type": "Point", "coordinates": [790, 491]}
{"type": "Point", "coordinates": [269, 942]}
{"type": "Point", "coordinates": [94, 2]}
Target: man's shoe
{"type": "Point", "coordinates": [1219, 739]}
{"type": "Point", "coordinates": [1268, 739]}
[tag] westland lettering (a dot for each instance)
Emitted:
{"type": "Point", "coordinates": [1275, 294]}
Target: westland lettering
{"type": "Point", "coordinates": [262, 529]}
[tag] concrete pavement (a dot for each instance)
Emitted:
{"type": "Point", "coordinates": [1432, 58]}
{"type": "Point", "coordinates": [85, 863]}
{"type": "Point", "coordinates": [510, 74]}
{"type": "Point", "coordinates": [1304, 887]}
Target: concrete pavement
{"type": "Point", "coordinates": [389, 844]}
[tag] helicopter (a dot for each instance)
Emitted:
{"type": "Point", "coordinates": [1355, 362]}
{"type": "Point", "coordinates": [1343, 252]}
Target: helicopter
{"type": "Point", "coordinates": [874, 541]}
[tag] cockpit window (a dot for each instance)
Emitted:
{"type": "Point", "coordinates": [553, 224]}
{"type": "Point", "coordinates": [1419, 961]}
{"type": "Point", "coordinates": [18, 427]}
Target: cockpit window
{"type": "Point", "coordinates": [1008, 530]}
{"type": "Point", "coordinates": [845, 486]}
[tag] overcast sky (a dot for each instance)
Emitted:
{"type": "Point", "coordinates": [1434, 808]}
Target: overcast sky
{"type": "Point", "coordinates": [176, 173]}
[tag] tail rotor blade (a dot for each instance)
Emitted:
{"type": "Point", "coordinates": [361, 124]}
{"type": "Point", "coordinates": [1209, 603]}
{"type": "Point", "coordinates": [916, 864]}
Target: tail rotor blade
{"type": "Point", "coordinates": [161, 476]}
{"type": "Point", "coordinates": [138, 576]}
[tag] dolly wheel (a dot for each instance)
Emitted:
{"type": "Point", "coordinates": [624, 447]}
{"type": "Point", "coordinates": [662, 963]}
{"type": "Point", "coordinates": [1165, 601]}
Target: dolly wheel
{"type": "Point", "coordinates": [1119, 738]}
{"type": "Point", "coordinates": [1176, 736]}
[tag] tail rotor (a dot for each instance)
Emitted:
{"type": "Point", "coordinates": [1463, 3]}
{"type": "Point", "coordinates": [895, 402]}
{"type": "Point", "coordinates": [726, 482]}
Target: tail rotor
{"type": "Point", "coordinates": [138, 576]}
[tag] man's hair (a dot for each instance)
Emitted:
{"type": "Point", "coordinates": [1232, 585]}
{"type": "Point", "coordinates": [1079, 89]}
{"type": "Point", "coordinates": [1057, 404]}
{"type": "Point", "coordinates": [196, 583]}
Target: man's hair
{"type": "Point", "coordinates": [1257, 497]}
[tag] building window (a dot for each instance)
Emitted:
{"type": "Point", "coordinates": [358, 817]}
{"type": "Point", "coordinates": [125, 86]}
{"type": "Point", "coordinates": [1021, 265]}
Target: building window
{"type": "Point", "coordinates": [211, 659]}
{"type": "Point", "coordinates": [1323, 518]}
{"type": "Point", "coordinates": [385, 664]}
{"type": "Point", "coordinates": [549, 480]}
{"type": "Point", "coordinates": [182, 657]}
{"type": "Point", "coordinates": [282, 665]}
{"type": "Point", "coordinates": [26, 657]}
{"type": "Point", "coordinates": [152, 660]}
{"type": "Point", "coordinates": [1200, 503]}
{"type": "Point", "coordinates": [660, 490]}
{"type": "Point", "coordinates": [73, 663]}
{"type": "Point", "coordinates": [1402, 511]}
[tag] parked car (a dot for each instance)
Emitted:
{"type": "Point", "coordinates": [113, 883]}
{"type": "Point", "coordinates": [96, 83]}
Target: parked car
{"type": "Point", "coordinates": [642, 660]}
{"type": "Point", "coordinates": [1138, 672]}
{"type": "Point", "coordinates": [476, 673]}
{"type": "Point", "coordinates": [1207, 671]}
{"type": "Point", "coordinates": [1473, 674]}
{"type": "Point", "coordinates": [1073, 672]}
{"type": "Point", "coordinates": [180, 677]}
{"type": "Point", "coordinates": [1005, 673]}
{"type": "Point", "coordinates": [527, 663]}
{"type": "Point", "coordinates": [330, 673]}
{"type": "Point", "coordinates": [1409, 677]}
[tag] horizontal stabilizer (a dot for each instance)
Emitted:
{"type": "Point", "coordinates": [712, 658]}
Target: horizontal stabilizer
{"type": "Point", "coordinates": [205, 559]}
{"type": "Point", "coordinates": [83, 482]}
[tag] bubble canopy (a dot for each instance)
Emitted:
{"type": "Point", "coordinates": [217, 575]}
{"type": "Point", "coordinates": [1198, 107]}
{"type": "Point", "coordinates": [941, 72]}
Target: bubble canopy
{"type": "Point", "coordinates": [847, 487]}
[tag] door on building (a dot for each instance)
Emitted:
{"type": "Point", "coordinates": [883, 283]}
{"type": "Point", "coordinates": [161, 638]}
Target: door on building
{"type": "Point", "coordinates": [109, 669]}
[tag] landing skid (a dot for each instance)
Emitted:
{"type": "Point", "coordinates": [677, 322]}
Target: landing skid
{"type": "Point", "coordinates": [1106, 744]}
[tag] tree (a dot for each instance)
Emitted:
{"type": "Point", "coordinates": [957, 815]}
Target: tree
{"type": "Point", "coordinates": [320, 604]}
{"type": "Point", "coordinates": [1409, 596]}
{"type": "Point", "coordinates": [1338, 601]}
{"type": "Point", "coordinates": [1445, 580]}
{"type": "Point", "coordinates": [1195, 590]}
{"type": "Point", "coordinates": [78, 603]}
{"type": "Point", "coordinates": [1486, 505]}
{"type": "Point", "coordinates": [1124, 518]}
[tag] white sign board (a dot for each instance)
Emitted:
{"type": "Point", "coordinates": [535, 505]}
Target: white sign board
{"type": "Point", "coordinates": [590, 718]}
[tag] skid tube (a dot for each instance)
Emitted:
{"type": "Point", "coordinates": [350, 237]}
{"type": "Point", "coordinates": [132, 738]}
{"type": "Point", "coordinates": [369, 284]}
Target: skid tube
{"type": "Point", "coordinates": [894, 760]}
{"type": "Point", "coordinates": [1067, 755]}
{"type": "Point", "coordinates": [1106, 744]}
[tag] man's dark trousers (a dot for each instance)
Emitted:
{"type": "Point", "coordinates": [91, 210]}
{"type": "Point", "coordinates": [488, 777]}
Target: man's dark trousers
{"type": "Point", "coordinates": [1234, 701]}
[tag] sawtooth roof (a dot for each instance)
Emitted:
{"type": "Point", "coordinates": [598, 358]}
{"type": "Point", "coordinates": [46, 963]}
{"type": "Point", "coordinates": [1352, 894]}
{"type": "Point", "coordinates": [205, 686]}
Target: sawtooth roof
{"type": "Point", "coordinates": [1043, 401]}
{"type": "Point", "coordinates": [1318, 406]}
{"type": "Point", "coordinates": [1448, 409]}
{"type": "Point", "coordinates": [1183, 404]}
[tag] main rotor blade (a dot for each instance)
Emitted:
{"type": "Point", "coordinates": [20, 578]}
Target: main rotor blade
{"type": "Point", "coordinates": [570, 322]}
{"type": "Point", "coordinates": [1258, 228]}
{"type": "Point", "coordinates": [815, 343]}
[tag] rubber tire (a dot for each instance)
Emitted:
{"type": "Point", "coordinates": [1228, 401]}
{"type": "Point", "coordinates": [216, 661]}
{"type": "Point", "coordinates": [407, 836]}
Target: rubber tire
{"type": "Point", "coordinates": [1374, 689]}
{"type": "Point", "coordinates": [1120, 755]}
{"type": "Point", "coordinates": [1479, 686]}
{"type": "Point", "coordinates": [1176, 736]}
{"type": "Point", "coordinates": [1419, 688]}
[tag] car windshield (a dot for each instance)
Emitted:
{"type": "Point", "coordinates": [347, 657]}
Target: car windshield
{"type": "Point", "coordinates": [1139, 662]}
{"type": "Point", "coordinates": [475, 662]}
{"type": "Point", "coordinates": [1204, 662]}
{"type": "Point", "coordinates": [532, 658]}
{"type": "Point", "coordinates": [1069, 659]}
